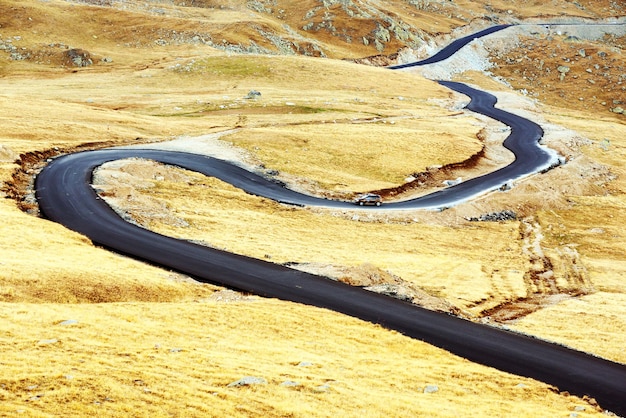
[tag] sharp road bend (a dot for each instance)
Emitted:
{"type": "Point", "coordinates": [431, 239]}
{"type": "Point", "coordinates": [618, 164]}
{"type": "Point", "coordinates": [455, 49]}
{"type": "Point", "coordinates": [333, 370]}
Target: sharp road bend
{"type": "Point", "coordinates": [65, 195]}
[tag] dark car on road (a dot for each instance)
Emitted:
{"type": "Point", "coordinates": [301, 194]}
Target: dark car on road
{"type": "Point", "coordinates": [369, 199]}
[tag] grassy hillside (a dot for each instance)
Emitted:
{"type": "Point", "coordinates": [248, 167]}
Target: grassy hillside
{"type": "Point", "coordinates": [143, 341]}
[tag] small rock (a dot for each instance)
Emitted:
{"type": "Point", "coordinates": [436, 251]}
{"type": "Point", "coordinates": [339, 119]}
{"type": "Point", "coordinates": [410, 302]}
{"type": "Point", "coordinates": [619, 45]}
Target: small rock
{"type": "Point", "coordinates": [506, 186]}
{"type": "Point", "coordinates": [431, 389]}
{"type": "Point", "coordinates": [618, 110]}
{"type": "Point", "coordinates": [393, 290]}
{"type": "Point", "coordinates": [453, 182]}
{"type": "Point", "coordinates": [79, 57]}
{"type": "Point", "coordinates": [68, 322]}
{"type": "Point", "coordinates": [175, 350]}
{"type": "Point", "coordinates": [253, 94]}
{"type": "Point", "coordinates": [290, 383]}
{"type": "Point", "coordinates": [321, 388]}
{"type": "Point", "coordinates": [47, 342]}
{"type": "Point", "coordinates": [579, 408]}
{"type": "Point", "coordinates": [305, 364]}
{"type": "Point", "coordinates": [247, 381]}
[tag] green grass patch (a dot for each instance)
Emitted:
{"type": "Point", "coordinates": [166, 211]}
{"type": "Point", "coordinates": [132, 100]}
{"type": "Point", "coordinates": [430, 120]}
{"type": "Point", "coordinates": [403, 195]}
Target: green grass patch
{"type": "Point", "coordinates": [232, 67]}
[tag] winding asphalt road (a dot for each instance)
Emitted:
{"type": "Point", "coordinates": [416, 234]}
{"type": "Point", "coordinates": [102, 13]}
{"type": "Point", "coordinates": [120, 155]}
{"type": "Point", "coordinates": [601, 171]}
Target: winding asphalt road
{"type": "Point", "coordinates": [65, 195]}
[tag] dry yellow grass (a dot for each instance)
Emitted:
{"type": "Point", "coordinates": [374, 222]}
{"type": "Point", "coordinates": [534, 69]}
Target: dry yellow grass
{"type": "Point", "coordinates": [177, 360]}
{"type": "Point", "coordinates": [447, 262]}
{"type": "Point", "coordinates": [360, 157]}
{"type": "Point", "coordinates": [44, 262]}
{"type": "Point", "coordinates": [122, 357]}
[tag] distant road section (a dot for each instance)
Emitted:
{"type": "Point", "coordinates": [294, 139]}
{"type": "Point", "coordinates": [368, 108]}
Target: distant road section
{"type": "Point", "coordinates": [65, 196]}
{"type": "Point", "coordinates": [451, 49]}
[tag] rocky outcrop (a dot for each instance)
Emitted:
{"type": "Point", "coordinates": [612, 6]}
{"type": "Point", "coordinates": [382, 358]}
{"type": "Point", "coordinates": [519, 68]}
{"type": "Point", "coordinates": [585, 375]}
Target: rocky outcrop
{"type": "Point", "coordinates": [78, 58]}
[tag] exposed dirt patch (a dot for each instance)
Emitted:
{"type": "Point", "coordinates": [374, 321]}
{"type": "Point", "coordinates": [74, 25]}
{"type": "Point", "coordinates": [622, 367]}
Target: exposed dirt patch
{"type": "Point", "coordinates": [21, 186]}
{"type": "Point", "coordinates": [376, 280]}
{"type": "Point", "coordinates": [548, 280]}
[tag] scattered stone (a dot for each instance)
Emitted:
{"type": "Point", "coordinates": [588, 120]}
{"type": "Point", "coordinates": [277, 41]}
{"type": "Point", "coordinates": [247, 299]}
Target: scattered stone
{"type": "Point", "coordinates": [253, 94]}
{"type": "Point", "coordinates": [305, 364]}
{"type": "Point", "coordinates": [506, 186]}
{"type": "Point", "coordinates": [393, 290]}
{"type": "Point", "coordinates": [505, 215]}
{"type": "Point", "coordinates": [48, 342]}
{"type": "Point", "coordinates": [520, 386]}
{"type": "Point", "coordinates": [175, 350]}
{"type": "Point", "coordinates": [321, 388]}
{"type": "Point", "coordinates": [68, 322]}
{"type": "Point", "coordinates": [431, 389]}
{"type": "Point", "coordinates": [290, 384]}
{"type": "Point", "coordinates": [247, 381]}
{"type": "Point", "coordinates": [453, 182]}
{"type": "Point", "coordinates": [79, 57]}
{"type": "Point", "coordinates": [579, 408]}
{"type": "Point", "coordinates": [618, 110]}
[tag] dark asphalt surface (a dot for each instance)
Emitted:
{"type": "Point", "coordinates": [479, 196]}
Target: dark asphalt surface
{"type": "Point", "coordinates": [452, 48]}
{"type": "Point", "coordinates": [65, 196]}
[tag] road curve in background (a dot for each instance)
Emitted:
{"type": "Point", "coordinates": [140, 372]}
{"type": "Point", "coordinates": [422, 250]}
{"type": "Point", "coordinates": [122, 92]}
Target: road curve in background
{"type": "Point", "coordinates": [65, 196]}
{"type": "Point", "coordinates": [451, 48]}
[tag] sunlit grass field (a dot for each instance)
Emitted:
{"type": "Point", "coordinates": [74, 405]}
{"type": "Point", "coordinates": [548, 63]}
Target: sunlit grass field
{"type": "Point", "coordinates": [143, 341]}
